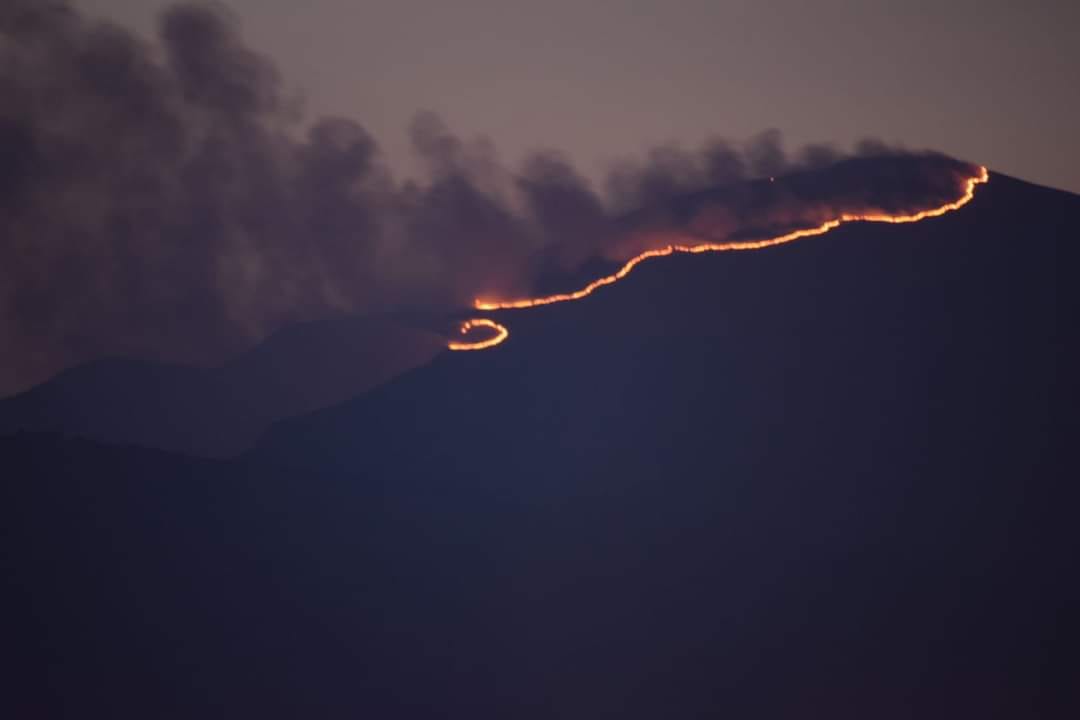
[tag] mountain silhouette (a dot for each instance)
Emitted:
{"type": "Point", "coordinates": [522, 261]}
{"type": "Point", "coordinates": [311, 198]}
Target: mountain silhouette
{"type": "Point", "coordinates": [834, 478]}
{"type": "Point", "coordinates": [220, 411]}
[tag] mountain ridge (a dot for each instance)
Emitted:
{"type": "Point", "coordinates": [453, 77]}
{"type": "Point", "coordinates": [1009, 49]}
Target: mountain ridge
{"type": "Point", "coordinates": [834, 477]}
{"type": "Point", "coordinates": [219, 411]}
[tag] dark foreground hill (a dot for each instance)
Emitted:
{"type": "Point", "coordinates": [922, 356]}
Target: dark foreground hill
{"type": "Point", "coordinates": [830, 479]}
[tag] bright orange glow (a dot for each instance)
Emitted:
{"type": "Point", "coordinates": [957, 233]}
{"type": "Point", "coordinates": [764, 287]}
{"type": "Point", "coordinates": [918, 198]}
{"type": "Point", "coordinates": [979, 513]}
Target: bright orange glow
{"type": "Point", "coordinates": [501, 333]}
{"type": "Point", "coordinates": [969, 192]}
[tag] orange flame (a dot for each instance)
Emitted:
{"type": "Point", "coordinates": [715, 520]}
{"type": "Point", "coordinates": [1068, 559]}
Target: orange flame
{"type": "Point", "coordinates": [501, 333]}
{"type": "Point", "coordinates": [969, 192]}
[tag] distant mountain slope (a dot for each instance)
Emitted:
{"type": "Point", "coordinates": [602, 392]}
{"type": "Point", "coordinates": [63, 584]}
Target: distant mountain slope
{"type": "Point", "coordinates": [220, 411]}
{"type": "Point", "coordinates": [831, 479]}
{"type": "Point", "coordinates": [984, 294]}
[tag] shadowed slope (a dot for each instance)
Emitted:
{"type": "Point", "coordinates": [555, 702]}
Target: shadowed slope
{"type": "Point", "coordinates": [987, 282]}
{"type": "Point", "coordinates": [832, 479]}
{"type": "Point", "coordinates": [221, 411]}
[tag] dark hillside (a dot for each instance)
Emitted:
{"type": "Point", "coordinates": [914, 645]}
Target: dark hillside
{"type": "Point", "coordinates": [221, 411]}
{"type": "Point", "coordinates": [830, 479]}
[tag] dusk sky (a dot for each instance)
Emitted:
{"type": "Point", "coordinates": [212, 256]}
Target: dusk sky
{"type": "Point", "coordinates": [989, 81]}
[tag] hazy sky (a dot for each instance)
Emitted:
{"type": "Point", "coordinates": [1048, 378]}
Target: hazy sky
{"type": "Point", "coordinates": [992, 81]}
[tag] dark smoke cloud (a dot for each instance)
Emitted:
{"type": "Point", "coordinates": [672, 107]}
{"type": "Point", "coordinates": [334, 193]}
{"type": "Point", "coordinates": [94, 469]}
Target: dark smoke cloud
{"type": "Point", "coordinates": [161, 199]}
{"type": "Point", "coordinates": [765, 154]}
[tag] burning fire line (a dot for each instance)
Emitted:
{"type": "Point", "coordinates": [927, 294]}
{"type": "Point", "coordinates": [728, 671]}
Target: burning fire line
{"type": "Point", "coordinates": [502, 333]}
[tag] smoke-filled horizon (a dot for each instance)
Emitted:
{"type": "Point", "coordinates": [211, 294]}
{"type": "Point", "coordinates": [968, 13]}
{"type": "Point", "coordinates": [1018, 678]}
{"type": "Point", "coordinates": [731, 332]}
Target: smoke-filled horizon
{"type": "Point", "coordinates": [159, 198]}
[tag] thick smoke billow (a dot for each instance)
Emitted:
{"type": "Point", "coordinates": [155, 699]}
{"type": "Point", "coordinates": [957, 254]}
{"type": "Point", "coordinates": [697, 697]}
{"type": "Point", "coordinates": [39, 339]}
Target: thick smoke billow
{"type": "Point", "coordinates": [162, 198]}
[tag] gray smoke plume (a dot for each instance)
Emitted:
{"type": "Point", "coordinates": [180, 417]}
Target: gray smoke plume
{"type": "Point", "coordinates": [162, 199]}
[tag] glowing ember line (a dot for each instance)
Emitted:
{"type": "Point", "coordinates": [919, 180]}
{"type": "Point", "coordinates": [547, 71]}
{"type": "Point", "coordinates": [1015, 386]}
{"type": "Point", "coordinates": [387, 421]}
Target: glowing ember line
{"type": "Point", "coordinates": [501, 333]}
{"type": "Point", "coordinates": [969, 192]}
